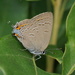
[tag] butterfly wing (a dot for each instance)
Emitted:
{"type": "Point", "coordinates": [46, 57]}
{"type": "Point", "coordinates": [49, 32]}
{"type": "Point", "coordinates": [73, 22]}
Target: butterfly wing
{"type": "Point", "coordinates": [23, 32]}
{"type": "Point", "coordinates": [36, 32]}
{"type": "Point", "coordinates": [41, 29]}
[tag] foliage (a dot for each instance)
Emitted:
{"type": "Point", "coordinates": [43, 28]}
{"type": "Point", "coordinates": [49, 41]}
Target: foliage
{"type": "Point", "coordinates": [14, 60]}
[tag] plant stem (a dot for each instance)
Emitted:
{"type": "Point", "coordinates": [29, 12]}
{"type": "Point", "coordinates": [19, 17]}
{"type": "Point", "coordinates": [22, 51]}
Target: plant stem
{"type": "Point", "coordinates": [57, 5]}
{"type": "Point", "coordinates": [58, 13]}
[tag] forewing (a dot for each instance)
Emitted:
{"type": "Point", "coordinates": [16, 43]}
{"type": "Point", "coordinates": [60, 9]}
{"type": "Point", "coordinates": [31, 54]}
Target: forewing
{"type": "Point", "coordinates": [39, 31]}
{"type": "Point", "coordinates": [36, 32]}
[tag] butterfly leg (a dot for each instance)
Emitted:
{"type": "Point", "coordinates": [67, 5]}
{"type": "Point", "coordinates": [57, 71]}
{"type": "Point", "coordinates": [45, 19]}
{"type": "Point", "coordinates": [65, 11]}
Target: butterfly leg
{"type": "Point", "coordinates": [37, 57]}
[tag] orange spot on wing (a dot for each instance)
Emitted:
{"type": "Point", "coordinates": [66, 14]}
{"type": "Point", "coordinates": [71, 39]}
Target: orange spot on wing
{"type": "Point", "coordinates": [39, 19]}
{"type": "Point", "coordinates": [19, 27]}
{"type": "Point", "coordinates": [16, 35]}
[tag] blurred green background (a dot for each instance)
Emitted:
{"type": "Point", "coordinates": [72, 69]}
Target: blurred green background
{"type": "Point", "coordinates": [12, 11]}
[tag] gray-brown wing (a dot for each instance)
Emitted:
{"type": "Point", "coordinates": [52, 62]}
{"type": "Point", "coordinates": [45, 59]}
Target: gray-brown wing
{"type": "Point", "coordinates": [38, 31]}
{"type": "Point", "coordinates": [23, 32]}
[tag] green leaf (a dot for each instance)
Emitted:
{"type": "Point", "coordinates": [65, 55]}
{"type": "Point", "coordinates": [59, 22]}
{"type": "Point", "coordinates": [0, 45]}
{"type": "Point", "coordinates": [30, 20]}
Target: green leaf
{"type": "Point", "coordinates": [69, 55]}
{"type": "Point", "coordinates": [16, 61]}
{"type": "Point", "coordinates": [32, 0]}
{"type": "Point", "coordinates": [69, 4]}
{"type": "Point", "coordinates": [55, 53]}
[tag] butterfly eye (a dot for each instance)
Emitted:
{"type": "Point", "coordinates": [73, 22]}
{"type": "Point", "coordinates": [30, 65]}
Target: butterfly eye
{"type": "Point", "coordinates": [43, 52]}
